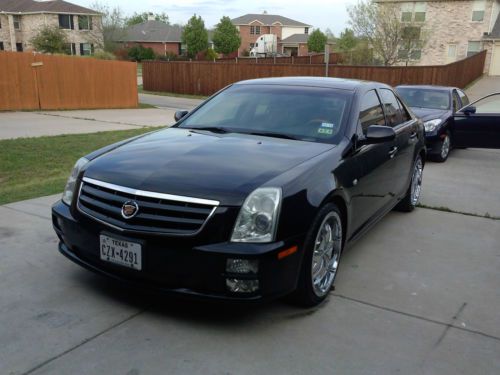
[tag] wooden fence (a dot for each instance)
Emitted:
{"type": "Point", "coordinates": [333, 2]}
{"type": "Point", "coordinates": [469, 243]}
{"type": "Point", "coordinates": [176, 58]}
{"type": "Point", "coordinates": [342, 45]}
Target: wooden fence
{"type": "Point", "coordinates": [334, 58]}
{"type": "Point", "coordinates": [205, 78]}
{"type": "Point", "coordinates": [30, 82]}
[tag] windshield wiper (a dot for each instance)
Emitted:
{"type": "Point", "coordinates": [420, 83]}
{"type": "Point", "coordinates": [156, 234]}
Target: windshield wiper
{"type": "Point", "coordinates": [213, 129]}
{"type": "Point", "coordinates": [275, 135]}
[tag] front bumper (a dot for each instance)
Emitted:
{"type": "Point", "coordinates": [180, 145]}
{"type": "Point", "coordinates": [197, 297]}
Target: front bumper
{"type": "Point", "coordinates": [433, 142]}
{"type": "Point", "coordinates": [181, 266]}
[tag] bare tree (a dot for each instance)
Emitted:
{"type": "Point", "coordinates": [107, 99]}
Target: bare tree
{"type": "Point", "coordinates": [392, 40]}
{"type": "Point", "coordinates": [111, 26]}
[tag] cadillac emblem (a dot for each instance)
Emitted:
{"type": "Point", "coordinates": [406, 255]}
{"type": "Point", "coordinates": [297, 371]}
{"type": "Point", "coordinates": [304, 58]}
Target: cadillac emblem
{"type": "Point", "coordinates": [130, 209]}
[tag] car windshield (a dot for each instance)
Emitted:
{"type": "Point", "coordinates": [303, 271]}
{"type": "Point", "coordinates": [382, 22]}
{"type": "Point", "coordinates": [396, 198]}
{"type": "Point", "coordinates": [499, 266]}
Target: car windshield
{"type": "Point", "coordinates": [425, 98]}
{"type": "Point", "coordinates": [296, 112]}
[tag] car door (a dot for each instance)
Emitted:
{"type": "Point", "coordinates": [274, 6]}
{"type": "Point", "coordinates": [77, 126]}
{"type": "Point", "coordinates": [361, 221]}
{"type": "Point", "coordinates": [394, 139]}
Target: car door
{"type": "Point", "coordinates": [406, 137]}
{"type": "Point", "coordinates": [478, 124]}
{"type": "Point", "coordinates": [372, 188]}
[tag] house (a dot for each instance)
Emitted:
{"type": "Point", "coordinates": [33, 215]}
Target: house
{"type": "Point", "coordinates": [292, 35]}
{"type": "Point", "coordinates": [20, 21]}
{"type": "Point", "coordinates": [163, 38]}
{"type": "Point", "coordinates": [454, 29]}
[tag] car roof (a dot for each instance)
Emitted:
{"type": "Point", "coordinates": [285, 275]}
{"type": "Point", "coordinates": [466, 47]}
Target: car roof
{"type": "Point", "coordinates": [324, 82]}
{"type": "Point", "coordinates": [427, 87]}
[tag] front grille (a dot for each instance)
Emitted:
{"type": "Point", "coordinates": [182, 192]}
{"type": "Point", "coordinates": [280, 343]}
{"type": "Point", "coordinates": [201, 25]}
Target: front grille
{"type": "Point", "coordinates": [158, 213]}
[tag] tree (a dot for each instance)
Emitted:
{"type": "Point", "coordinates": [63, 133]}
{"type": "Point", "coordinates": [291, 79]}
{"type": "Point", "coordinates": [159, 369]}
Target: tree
{"type": "Point", "coordinates": [387, 35]}
{"type": "Point", "coordinates": [195, 36]}
{"type": "Point", "coordinates": [137, 18]}
{"type": "Point", "coordinates": [347, 40]}
{"type": "Point", "coordinates": [139, 53]}
{"type": "Point", "coordinates": [111, 26]}
{"type": "Point", "coordinates": [50, 39]}
{"type": "Point", "coordinates": [329, 34]}
{"type": "Point", "coordinates": [226, 37]}
{"type": "Point", "coordinates": [317, 41]}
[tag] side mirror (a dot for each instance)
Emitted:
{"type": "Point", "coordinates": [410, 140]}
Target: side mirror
{"type": "Point", "coordinates": [180, 114]}
{"type": "Point", "coordinates": [470, 110]}
{"type": "Point", "coordinates": [379, 134]}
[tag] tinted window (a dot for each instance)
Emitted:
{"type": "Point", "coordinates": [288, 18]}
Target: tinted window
{"type": "Point", "coordinates": [456, 102]}
{"type": "Point", "coordinates": [371, 111]}
{"type": "Point", "coordinates": [425, 98]}
{"type": "Point", "coordinates": [391, 106]}
{"type": "Point", "coordinates": [491, 104]}
{"type": "Point", "coordinates": [307, 113]}
{"type": "Point", "coordinates": [463, 98]}
{"type": "Point", "coordinates": [405, 116]}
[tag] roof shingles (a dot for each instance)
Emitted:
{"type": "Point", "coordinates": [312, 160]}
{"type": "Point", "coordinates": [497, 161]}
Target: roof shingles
{"type": "Point", "coordinates": [267, 20]}
{"type": "Point", "coordinates": [32, 6]}
{"type": "Point", "coordinates": [152, 31]}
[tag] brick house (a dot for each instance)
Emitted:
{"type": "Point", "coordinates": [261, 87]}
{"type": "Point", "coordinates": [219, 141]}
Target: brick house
{"type": "Point", "coordinates": [20, 21]}
{"type": "Point", "coordinates": [455, 29]}
{"type": "Point", "coordinates": [292, 35]}
{"type": "Point", "coordinates": [162, 38]}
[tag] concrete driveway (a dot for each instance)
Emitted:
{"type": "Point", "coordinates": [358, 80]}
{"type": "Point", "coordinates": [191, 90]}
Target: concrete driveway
{"type": "Point", "coordinates": [36, 124]}
{"type": "Point", "coordinates": [417, 295]}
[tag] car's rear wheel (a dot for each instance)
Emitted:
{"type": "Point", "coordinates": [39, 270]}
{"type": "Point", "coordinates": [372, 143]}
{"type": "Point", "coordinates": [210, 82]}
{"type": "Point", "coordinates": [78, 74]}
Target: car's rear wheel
{"type": "Point", "coordinates": [444, 152]}
{"type": "Point", "coordinates": [412, 197]}
{"type": "Point", "coordinates": [323, 247]}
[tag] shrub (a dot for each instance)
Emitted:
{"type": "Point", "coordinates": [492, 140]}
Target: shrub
{"type": "Point", "coordinates": [211, 55]}
{"type": "Point", "coordinates": [121, 54]}
{"type": "Point", "coordinates": [139, 53]}
{"type": "Point", "coordinates": [103, 55]}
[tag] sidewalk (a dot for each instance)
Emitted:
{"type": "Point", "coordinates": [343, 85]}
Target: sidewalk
{"type": "Point", "coordinates": [484, 86]}
{"type": "Point", "coordinates": [49, 123]}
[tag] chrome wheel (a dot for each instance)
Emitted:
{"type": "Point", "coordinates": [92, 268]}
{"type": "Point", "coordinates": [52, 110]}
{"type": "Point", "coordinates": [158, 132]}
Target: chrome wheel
{"type": "Point", "coordinates": [445, 147]}
{"type": "Point", "coordinates": [326, 254]}
{"type": "Point", "coordinates": [416, 181]}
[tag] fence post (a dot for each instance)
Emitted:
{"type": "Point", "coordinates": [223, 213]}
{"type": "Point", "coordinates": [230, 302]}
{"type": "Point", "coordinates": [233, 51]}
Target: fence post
{"type": "Point", "coordinates": [292, 59]}
{"type": "Point", "coordinates": [236, 59]}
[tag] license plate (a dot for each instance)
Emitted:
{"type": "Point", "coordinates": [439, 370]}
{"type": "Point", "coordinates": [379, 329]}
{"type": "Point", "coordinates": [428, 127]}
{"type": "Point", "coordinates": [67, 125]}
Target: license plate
{"type": "Point", "coordinates": [124, 253]}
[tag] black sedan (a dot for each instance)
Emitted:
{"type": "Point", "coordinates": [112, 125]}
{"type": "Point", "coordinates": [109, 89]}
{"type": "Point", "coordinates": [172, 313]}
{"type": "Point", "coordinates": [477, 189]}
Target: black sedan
{"type": "Point", "coordinates": [251, 196]}
{"type": "Point", "coordinates": [435, 105]}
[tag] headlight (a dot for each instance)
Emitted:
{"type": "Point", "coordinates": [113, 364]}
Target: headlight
{"type": "Point", "coordinates": [431, 125]}
{"type": "Point", "coordinates": [257, 220]}
{"type": "Point", "coordinates": [70, 185]}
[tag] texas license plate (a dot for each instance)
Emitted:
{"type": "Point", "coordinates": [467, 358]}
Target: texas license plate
{"type": "Point", "coordinates": [124, 253]}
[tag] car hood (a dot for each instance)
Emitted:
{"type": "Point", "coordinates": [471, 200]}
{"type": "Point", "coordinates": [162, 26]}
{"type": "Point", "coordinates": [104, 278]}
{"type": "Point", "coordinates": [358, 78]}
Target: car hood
{"type": "Point", "coordinates": [426, 114]}
{"type": "Point", "coordinates": [223, 167]}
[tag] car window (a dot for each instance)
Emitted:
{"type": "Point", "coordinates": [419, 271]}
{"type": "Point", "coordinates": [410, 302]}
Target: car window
{"type": "Point", "coordinates": [456, 102]}
{"type": "Point", "coordinates": [307, 113]}
{"type": "Point", "coordinates": [465, 100]}
{"type": "Point", "coordinates": [391, 106]}
{"type": "Point", "coordinates": [371, 111]}
{"type": "Point", "coordinates": [490, 104]}
{"type": "Point", "coordinates": [425, 98]}
{"type": "Point", "coordinates": [404, 113]}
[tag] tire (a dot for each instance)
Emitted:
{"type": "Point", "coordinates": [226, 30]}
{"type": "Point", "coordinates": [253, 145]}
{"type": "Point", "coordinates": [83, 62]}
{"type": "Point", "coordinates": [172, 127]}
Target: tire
{"type": "Point", "coordinates": [312, 289]}
{"type": "Point", "coordinates": [412, 197]}
{"type": "Point", "coordinates": [445, 149]}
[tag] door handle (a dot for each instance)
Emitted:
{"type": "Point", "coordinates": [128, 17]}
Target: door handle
{"type": "Point", "coordinates": [393, 151]}
{"type": "Point", "coordinates": [413, 135]}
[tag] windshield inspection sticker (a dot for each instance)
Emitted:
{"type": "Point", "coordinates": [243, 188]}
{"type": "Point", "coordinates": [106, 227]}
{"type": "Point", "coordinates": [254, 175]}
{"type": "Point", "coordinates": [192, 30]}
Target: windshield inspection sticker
{"type": "Point", "coordinates": [326, 128]}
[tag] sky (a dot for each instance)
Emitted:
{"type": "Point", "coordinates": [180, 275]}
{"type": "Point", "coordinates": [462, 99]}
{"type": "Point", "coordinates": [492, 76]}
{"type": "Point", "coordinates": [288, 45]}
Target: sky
{"type": "Point", "coordinates": [319, 13]}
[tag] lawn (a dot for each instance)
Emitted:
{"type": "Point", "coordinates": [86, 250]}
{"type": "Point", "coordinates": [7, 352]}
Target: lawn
{"type": "Point", "coordinates": [34, 167]}
{"type": "Point", "coordinates": [142, 91]}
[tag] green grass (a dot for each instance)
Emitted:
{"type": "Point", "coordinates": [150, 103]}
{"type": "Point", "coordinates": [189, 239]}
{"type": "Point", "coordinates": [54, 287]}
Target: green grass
{"type": "Point", "coordinates": [145, 106]}
{"type": "Point", "coordinates": [142, 91]}
{"type": "Point", "coordinates": [139, 69]}
{"type": "Point", "coordinates": [34, 167]}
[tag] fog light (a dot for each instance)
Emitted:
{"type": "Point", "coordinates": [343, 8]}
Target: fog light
{"type": "Point", "coordinates": [242, 266]}
{"type": "Point", "coordinates": [242, 286]}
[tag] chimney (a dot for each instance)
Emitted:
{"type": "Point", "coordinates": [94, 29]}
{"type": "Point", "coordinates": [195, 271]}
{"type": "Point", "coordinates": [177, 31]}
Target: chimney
{"type": "Point", "coordinates": [151, 16]}
{"type": "Point", "coordinates": [264, 12]}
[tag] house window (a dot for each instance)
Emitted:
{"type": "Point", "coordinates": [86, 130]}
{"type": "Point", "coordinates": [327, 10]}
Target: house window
{"type": "Point", "coordinates": [84, 22]}
{"type": "Point", "coordinates": [70, 48]}
{"type": "Point", "coordinates": [252, 30]}
{"type": "Point", "coordinates": [306, 30]}
{"type": "Point", "coordinates": [406, 12]}
{"type": "Point", "coordinates": [86, 49]}
{"type": "Point", "coordinates": [252, 45]}
{"type": "Point", "coordinates": [17, 22]}
{"type": "Point", "coordinates": [19, 47]}
{"type": "Point", "coordinates": [66, 22]}
{"type": "Point", "coordinates": [257, 30]}
{"type": "Point", "coordinates": [415, 54]}
{"type": "Point", "coordinates": [1, 46]}
{"type": "Point", "coordinates": [419, 12]}
{"type": "Point", "coordinates": [478, 8]}
{"type": "Point", "coordinates": [473, 47]}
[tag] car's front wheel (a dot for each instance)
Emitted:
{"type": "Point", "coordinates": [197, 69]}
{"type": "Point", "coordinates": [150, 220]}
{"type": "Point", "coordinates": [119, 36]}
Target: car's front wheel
{"type": "Point", "coordinates": [444, 152]}
{"type": "Point", "coordinates": [412, 197]}
{"type": "Point", "coordinates": [323, 247]}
